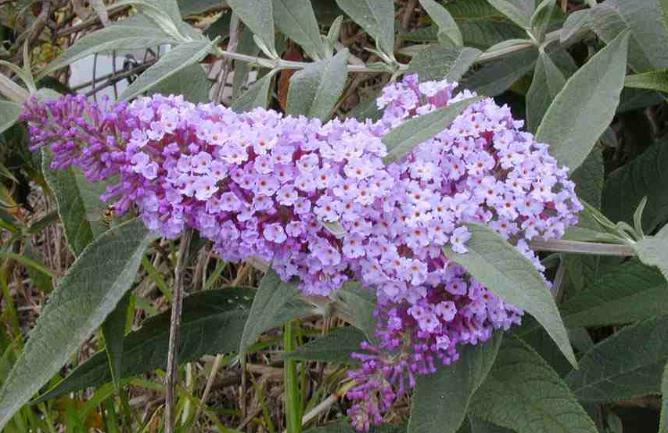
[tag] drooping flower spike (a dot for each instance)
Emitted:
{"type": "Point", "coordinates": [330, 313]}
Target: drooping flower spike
{"type": "Point", "coordinates": [260, 184]}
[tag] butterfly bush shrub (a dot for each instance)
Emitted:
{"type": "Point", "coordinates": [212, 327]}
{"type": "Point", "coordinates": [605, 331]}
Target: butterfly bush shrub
{"type": "Point", "coordinates": [263, 185]}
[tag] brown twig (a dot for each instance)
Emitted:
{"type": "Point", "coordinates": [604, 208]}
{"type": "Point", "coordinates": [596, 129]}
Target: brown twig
{"type": "Point", "coordinates": [174, 327]}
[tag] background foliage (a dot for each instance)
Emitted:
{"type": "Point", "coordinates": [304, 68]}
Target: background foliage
{"type": "Point", "coordinates": [589, 77]}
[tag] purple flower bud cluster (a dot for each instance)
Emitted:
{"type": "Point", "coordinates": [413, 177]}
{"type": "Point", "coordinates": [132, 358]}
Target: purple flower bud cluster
{"type": "Point", "coordinates": [317, 201]}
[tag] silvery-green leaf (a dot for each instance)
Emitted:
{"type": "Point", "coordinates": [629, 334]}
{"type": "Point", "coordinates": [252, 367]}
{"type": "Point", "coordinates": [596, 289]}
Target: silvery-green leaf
{"type": "Point", "coordinates": [191, 82]}
{"type": "Point", "coordinates": [436, 62]}
{"type": "Point", "coordinates": [648, 44]}
{"type": "Point", "coordinates": [441, 400]}
{"type": "Point", "coordinates": [586, 105]}
{"type": "Point", "coordinates": [518, 11]}
{"type": "Point", "coordinates": [94, 284]}
{"type": "Point", "coordinates": [78, 202]}
{"type": "Point", "coordinates": [376, 17]}
{"type": "Point", "coordinates": [258, 15]}
{"type": "Point", "coordinates": [9, 114]}
{"type": "Point", "coordinates": [481, 24]}
{"type": "Point", "coordinates": [448, 32]}
{"type": "Point", "coordinates": [130, 34]}
{"type": "Point", "coordinates": [315, 89]}
{"type": "Point", "coordinates": [625, 365]}
{"type": "Point", "coordinates": [402, 139]}
{"type": "Point", "coordinates": [523, 393]}
{"type": "Point", "coordinates": [174, 61]}
{"type": "Point", "coordinates": [508, 274]}
{"type": "Point", "coordinates": [497, 76]}
{"type": "Point", "coordinates": [257, 95]}
{"type": "Point", "coordinates": [547, 82]}
{"type": "Point", "coordinates": [113, 330]}
{"type": "Point", "coordinates": [577, 25]}
{"type": "Point", "coordinates": [296, 19]}
{"type": "Point", "coordinates": [663, 422]}
{"type": "Point", "coordinates": [653, 250]}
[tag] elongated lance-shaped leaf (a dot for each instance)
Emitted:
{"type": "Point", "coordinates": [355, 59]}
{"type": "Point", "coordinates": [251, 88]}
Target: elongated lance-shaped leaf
{"type": "Point", "coordinates": [374, 16]}
{"type": "Point", "coordinates": [113, 330]}
{"type": "Point", "coordinates": [518, 11]}
{"type": "Point", "coordinates": [448, 32]}
{"type": "Point", "coordinates": [523, 393]}
{"type": "Point", "coordinates": [626, 294]}
{"type": "Point", "coordinates": [337, 346]}
{"type": "Point", "coordinates": [177, 59]}
{"type": "Point", "coordinates": [586, 105]}
{"type": "Point", "coordinates": [130, 34]}
{"type": "Point", "coordinates": [78, 203]}
{"type": "Point", "coordinates": [508, 274]}
{"type": "Point", "coordinates": [212, 322]}
{"type": "Point", "coordinates": [9, 114]}
{"type": "Point", "coordinates": [404, 138]}
{"type": "Point", "coordinates": [547, 82]}
{"type": "Point", "coordinates": [296, 19]}
{"type": "Point", "coordinates": [653, 251]}
{"type": "Point", "coordinates": [257, 95]}
{"type": "Point", "coordinates": [441, 400]}
{"type": "Point", "coordinates": [315, 89]}
{"type": "Point", "coordinates": [436, 62]}
{"type": "Point", "coordinates": [94, 284]}
{"type": "Point", "coordinates": [653, 80]}
{"type": "Point", "coordinates": [626, 365]}
{"type": "Point", "coordinates": [274, 303]}
{"type": "Point", "coordinates": [258, 15]}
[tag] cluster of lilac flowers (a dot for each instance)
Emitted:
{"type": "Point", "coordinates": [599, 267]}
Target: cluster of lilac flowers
{"type": "Point", "coordinates": [260, 184]}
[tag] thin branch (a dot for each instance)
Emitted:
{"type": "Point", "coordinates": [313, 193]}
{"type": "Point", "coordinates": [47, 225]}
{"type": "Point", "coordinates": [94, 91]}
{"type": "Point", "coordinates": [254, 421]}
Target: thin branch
{"type": "Point", "coordinates": [174, 328]}
{"type": "Point", "coordinates": [577, 247]}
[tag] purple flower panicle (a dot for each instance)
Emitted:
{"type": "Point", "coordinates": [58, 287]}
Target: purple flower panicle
{"type": "Point", "coordinates": [260, 184]}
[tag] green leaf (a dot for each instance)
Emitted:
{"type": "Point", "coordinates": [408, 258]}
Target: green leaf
{"type": "Point", "coordinates": [497, 76]}
{"type": "Point", "coordinates": [586, 105]}
{"type": "Point", "coordinates": [626, 365]}
{"type": "Point", "coordinates": [191, 82]}
{"type": "Point", "coordinates": [9, 114]}
{"type": "Point", "coordinates": [257, 95]}
{"type": "Point", "coordinates": [523, 393]}
{"type": "Point", "coordinates": [628, 293]}
{"type": "Point", "coordinates": [663, 422]}
{"type": "Point", "coordinates": [440, 400]}
{"type": "Point", "coordinates": [374, 16]}
{"type": "Point", "coordinates": [356, 304]}
{"type": "Point", "coordinates": [648, 45]}
{"type": "Point", "coordinates": [315, 89]}
{"type": "Point", "coordinates": [481, 24]}
{"type": "Point", "coordinates": [258, 15]}
{"type": "Point", "coordinates": [480, 426]}
{"type": "Point", "coordinates": [653, 251]}
{"type": "Point", "coordinates": [541, 18]}
{"type": "Point", "coordinates": [274, 303]}
{"type": "Point", "coordinates": [211, 323]}
{"type": "Point", "coordinates": [448, 32]}
{"type": "Point", "coordinates": [519, 11]}
{"type": "Point", "coordinates": [437, 62]}
{"type": "Point", "coordinates": [173, 62]}
{"type": "Point", "coordinates": [511, 276]}
{"type": "Point", "coordinates": [333, 347]}
{"type": "Point", "coordinates": [652, 80]}
{"type": "Point", "coordinates": [547, 82]}
{"type": "Point", "coordinates": [94, 284]}
{"type": "Point", "coordinates": [589, 178]}
{"type": "Point", "coordinates": [404, 138]}
{"type": "Point", "coordinates": [644, 176]}
{"type": "Point", "coordinates": [129, 34]}
{"type": "Point", "coordinates": [577, 25]}
{"type": "Point", "coordinates": [113, 330]}
{"type": "Point", "coordinates": [78, 200]}
{"type": "Point", "coordinates": [296, 19]}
